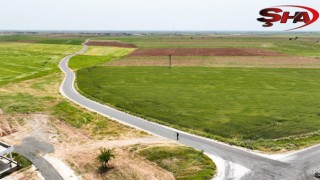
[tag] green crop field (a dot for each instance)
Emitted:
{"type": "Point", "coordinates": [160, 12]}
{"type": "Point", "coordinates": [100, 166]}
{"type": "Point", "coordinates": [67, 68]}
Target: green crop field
{"type": "Point", "coordinates": [246, 103]}
{"type": "Point", "coordinates": [260, 108]}
{"type": "Point", "coordinates": [43, 39]}
{"type": "Point", "coordinates": [21, 61]}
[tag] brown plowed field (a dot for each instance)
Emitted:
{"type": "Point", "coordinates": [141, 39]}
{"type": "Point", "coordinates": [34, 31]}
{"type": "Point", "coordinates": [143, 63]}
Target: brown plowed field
{"type": "Point", "coordinates": [107, 43]}
{"type": "Point", "coordinates": [204, 52]}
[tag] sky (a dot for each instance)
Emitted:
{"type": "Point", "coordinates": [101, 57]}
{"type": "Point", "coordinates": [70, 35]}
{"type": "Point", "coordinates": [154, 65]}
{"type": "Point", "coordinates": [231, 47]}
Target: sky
{"type": "Point", "coordinates": [147, 15]}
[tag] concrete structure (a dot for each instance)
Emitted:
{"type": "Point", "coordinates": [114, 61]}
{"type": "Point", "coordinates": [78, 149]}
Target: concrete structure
{"type": "Point", "coordinates": [7, 165]}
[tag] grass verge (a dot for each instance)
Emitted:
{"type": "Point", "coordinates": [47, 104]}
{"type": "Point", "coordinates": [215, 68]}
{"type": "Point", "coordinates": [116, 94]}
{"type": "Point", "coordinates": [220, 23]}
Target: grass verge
{"type": "Point", "coordinates": [185, 163]}
{"type": "Point", "coordinates": [72, 115]}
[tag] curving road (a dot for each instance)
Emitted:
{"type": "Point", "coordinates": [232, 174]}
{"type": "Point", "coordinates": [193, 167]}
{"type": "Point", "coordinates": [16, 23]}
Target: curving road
{"type": "Point", "coordinates": [30, 148]}
{"type": "Point", "coordinates": [299, 165]}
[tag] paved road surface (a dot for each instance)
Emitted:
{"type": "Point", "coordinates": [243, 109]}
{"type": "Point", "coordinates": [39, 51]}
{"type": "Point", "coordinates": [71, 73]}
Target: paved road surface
{"type": "Point", "coordinates": [30, 148]}
{"type": "Point", "coordinates": [300, 165]}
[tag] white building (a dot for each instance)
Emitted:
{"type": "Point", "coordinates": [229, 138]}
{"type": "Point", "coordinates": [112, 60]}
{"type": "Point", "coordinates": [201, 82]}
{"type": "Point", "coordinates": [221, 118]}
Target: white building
{"type": "Point", "coordinates": [7, 164]}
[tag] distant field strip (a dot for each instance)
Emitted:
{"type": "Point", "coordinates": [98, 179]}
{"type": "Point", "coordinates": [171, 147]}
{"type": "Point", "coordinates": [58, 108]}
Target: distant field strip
{"type": "Point", "coordinates": [106, 51]}
{"type": "Point", "coordinates": [204, 52]}
{"type": "Point", "coordinates": [111, 44]}
{"type": "Point", "coordinates": [219, 61]}
{"type": "Point", "coordinates": [97, 55]}
{"type": "Point", "coordinates": [303, 46]}
{"type": "Point", "coordinates": [43, 39]}
{"type": "Point", "coordinates": [21, 61]}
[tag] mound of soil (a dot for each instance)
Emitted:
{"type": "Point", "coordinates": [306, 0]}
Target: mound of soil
{"type": "Point", "coordinates": [204, 52]}
{"type": "Point", "coordinates": [108, 43]}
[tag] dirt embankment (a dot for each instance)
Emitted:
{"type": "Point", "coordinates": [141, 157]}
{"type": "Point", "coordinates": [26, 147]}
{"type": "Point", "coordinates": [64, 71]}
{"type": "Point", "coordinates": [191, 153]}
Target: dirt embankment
{"type": "Point", "coordinates": [204, 52]}
{"type": "Point", "coordinates": [109, 43]}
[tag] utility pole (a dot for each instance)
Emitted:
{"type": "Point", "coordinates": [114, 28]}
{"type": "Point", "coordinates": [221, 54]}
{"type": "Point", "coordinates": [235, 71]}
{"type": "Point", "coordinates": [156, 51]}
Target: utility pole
{"type": "Point", "coordinates": [170, 62]}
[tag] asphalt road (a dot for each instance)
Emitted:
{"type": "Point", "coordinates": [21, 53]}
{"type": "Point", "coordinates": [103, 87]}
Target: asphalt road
{"type": "Point", "coordinates": [30, 148]}
{"type": "Point", "coordinates": [300, 165]}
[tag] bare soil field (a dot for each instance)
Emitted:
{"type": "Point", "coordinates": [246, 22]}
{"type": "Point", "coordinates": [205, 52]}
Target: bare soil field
{"type": "Point", "coordinates": [225, 61]}
{"type": "Point", "coordinates": [109, 43]}
{"type": "Point", "coordinates": [204, 52]}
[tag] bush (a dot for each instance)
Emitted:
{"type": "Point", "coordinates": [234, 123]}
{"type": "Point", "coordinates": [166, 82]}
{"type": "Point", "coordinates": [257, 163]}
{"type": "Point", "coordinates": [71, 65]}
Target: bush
{"type": "Point", "coordinates": [105, 156]}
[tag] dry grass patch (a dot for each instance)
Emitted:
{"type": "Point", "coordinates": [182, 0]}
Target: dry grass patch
{"type": "Point", "coordinates": [107, 51]}
{"type": "Point", "coordinates": [41, 95]}
{"type": "Point", "coordinates": [126, 165]}
{"type": "Point", "coordinates": [43, 86]}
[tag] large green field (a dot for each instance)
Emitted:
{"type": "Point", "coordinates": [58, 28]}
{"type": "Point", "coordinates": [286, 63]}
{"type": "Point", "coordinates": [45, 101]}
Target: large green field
{"type": "Point", "coordinates": [21, 61]}
{"type": "Point", "coordinates": [261, 108]}
{"type": "Point", "coordinates": [245, 103]}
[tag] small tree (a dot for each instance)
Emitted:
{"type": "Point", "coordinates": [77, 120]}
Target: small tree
{"type": "Point", "coordinates": [105, 156]}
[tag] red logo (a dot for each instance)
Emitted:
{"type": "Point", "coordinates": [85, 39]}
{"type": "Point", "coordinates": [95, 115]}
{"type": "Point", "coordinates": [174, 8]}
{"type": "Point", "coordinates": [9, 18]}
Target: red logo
{"type": "Point", "coordinates": [276, 14]}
